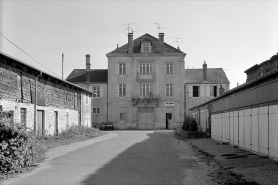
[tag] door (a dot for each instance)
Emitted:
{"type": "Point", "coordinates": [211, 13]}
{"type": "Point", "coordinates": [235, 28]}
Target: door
{"type": "Point", "coordinates": [40, 123]}
{"type": "Point", "coordinates": [146, 117]}
{"type": "Point", "coordinates": [56, 131]}
{"type": "Point", "coordinates": [169, 121]}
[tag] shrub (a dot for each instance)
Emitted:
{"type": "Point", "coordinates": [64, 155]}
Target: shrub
{"type": "Point", "coordinates": [189, 124]}
{"type": "Point", "coordinates": [18, 149]}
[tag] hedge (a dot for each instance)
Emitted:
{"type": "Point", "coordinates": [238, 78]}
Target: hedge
{"type": "Point", "coordinates": [18, 148]}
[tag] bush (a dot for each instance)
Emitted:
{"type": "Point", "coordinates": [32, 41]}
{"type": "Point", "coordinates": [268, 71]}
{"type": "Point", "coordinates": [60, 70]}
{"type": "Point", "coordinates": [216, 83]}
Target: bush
{"type": "Point", "coordinates": [18, 149]}
{"type": "Point", "coordinates": [76, 131]}
{"type": "Point", "coordinates": [189, 124]}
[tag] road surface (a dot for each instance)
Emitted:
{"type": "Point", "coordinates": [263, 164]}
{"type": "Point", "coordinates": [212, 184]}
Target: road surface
{"type": "Point", "coordinates": [122, 157]}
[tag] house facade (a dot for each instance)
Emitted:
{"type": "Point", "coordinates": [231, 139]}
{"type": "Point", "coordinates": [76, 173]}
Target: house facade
{"type": "Point", "coordinates": [94, 80]}
{"type": "Point", "coordinates": [202, 85]}
{"type": "Point", "coordinates": [146, 84]}
{"type": "Point", "coordinates": [40, 101]}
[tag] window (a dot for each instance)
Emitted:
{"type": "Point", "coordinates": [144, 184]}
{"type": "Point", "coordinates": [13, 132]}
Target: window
{"type": "Point", "coordinates": [122, 68]}
{"type": "Point", "coordinates": [213, 91]}
{"type": "Point", "coordinates": [169, 89]}
{"type": "Point", "coordinates": [169, 69]}
{"type": "Point", "coordinates": [122, 90]}
{"type": "Point", "coordinates": [96, 91]}
{"type": "Point", "coordinates": [145, 89]}
{"type": "Point", "coordinates": [96, 110]}
{"type": "Point", "coordinates": [23, 114]}
{"type": "Point", "coordinates": [122, 116]}
{"type": "Point", "coordinates": [196, 91]}
{"type": "Point", "coordinates": [145, 69]}
{"type": "Point", "coordinates": [146, 47]}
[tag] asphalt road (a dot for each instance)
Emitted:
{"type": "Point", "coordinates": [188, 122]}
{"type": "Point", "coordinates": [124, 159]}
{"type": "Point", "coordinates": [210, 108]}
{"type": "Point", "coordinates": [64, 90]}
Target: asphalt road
{"type": "Point", "coordinates": [129, 157]}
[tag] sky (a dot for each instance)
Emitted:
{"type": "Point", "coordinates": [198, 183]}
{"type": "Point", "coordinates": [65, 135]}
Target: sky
{"type": "Point", "coordinates": [233, 35]}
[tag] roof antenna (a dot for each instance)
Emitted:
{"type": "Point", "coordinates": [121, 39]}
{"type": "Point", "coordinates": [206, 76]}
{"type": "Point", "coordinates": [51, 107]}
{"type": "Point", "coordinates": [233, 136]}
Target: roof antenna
{"type": "Point", "coordinates": [158, 27]}
{"type": "Point", "coordinates": [132, 31]}
{"type": "Point", "coordinates": [177, 41]}
{"type": "Point", "coordinates": [128, 26]}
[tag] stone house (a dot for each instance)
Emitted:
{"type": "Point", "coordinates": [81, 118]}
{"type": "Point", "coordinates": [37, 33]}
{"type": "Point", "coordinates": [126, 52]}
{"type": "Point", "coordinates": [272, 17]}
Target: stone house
{"type": "Point", "coordinates": [40, 101]}
{"type": "Point", "coordinates": [201, 85]}
{"type": "Point", "coordinates": [146, 84]}
{"type": "Point", "coordinates": [94, 80]}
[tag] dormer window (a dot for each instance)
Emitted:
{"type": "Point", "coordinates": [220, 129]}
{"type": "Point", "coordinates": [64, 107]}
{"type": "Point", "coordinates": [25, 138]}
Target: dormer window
{"type": "Point", "coordinates": [146, 46]}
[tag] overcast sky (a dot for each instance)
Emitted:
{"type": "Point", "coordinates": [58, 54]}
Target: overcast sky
{"type": "Point", "coordinates": [233, 35]}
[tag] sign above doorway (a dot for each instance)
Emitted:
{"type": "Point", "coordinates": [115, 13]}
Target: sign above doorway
{"type": "Point", "coordinates": [169, 104]}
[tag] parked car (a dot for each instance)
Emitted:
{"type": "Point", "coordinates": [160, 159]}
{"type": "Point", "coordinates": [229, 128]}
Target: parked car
{"type": "Point", "coordinates": [106, 126]}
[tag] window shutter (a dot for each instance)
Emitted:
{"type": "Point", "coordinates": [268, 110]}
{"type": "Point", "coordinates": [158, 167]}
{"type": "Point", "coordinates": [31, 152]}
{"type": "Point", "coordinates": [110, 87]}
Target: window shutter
{"type": "Point", "coordinates": [127, 90]}
{"type": "Point", "coordinates": [116, 68]}
{"type": "Point", "coordinates": [101, 91]}
{"type": "Point", "coordinates": [202, 91]}
{"type": "Point", "coordinates": [116, 89]}
{"type": "Point", "coordinates": [190, 90]}
{"type": "Point", "coordinates": [127, 68]}
{"type": "Point", "coordinates": [207, 91]}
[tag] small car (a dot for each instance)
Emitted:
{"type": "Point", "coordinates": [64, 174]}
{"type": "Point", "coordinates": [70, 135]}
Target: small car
{"type": "Point", "coordinates": [106, 126]}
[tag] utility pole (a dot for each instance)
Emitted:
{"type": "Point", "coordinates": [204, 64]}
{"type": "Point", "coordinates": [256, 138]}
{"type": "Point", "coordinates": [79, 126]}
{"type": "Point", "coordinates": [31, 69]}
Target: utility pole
{"type": "Point", "coordinates": [63, 66]}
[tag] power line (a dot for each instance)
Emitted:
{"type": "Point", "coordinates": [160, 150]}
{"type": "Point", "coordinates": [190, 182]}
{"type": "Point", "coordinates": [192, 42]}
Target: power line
{"type": "Point", "coordinates": [28, 55]}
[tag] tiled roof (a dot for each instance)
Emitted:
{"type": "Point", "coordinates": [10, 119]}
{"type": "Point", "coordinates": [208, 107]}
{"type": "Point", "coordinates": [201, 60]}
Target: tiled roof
{"type": "Point", "coordinates": [196, 75]}
{"type": "Point", "coordinates": [96, 75]}
{"type": "Point", "coordinates": [155, 46]}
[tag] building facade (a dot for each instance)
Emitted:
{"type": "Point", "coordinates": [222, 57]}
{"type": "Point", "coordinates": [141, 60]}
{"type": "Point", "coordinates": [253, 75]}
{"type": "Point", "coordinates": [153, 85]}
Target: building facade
{"type": "Point", "coordinates": [146, 84]}
{"type": "Point", "coordinates": [40, 101]}
{"type": "Point", "coordinates": [94, 80]}
{"type": "Point", "coordinates": [202, 85]}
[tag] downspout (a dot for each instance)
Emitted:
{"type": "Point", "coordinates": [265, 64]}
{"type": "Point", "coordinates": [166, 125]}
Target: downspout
{"type": "Point", "coordinates": [35, 105]}
{"type": "Point", "coordinates": [107, 102]}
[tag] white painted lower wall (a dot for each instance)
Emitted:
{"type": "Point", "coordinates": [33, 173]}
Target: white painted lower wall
{"type": "Point", "coordinates": [254, 129]}
{"type": "Point", "coordinates": [66, 117]}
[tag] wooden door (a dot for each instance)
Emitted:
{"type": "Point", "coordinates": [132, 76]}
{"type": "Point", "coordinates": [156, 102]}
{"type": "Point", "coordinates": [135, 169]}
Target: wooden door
{"type": "Point", "coordinates": [40, 124]}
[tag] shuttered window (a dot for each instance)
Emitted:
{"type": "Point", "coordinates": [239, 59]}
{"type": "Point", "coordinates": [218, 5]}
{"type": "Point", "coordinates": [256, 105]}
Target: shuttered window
{"type": "Point", "coordinates": [122, 68]}
{"type": "Point", "coordinates": [122, 90]}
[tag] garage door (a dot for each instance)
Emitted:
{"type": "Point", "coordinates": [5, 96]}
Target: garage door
{"type": "Point", "coordinates": [146, 117]}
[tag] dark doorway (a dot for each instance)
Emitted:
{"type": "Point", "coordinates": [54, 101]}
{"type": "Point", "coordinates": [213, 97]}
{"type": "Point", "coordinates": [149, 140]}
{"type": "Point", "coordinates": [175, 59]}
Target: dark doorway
{"type": "Point", "coordinates": [40, 123]}
{"type": "Point", "coordinates": [168, 120]}
{"type": "Point", "coordinates": [56, 131]}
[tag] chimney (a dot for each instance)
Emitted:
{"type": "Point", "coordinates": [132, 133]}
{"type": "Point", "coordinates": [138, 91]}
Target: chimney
{"type": "Point", "coordinates": [161, 43]}
{"type": "Point", "coordinates": [130, 43]}
{"type": "Point", "coordinates": [88, 68]}
{"type": "Point", "coordinates": [205, 72]}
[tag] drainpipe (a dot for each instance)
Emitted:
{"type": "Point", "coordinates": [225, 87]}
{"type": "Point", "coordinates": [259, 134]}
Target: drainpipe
{"type": "Point", "coordinates": [35, 104]}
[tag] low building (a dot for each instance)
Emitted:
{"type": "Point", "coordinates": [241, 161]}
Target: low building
{"type": "Point", "coordinates": [94, 80]}
{"type": "Point", "coordinates": [59, 104]}
{"type": "Point", "coordinates": [203, 84]}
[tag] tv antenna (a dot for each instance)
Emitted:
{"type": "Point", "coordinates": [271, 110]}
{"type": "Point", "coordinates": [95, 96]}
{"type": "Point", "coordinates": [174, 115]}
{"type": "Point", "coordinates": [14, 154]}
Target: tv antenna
{"type": "Point", "coordinates": [177, 40]}
{"type": "Point", "coordinates": [158, 27]}
{"type": "Point", "coordinates": [128, 26]}
{"type": "Point", "coordinates": [132, 31]}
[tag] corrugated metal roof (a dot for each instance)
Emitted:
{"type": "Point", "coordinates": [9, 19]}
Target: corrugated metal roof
{"type": "Point", "coordinates": [213, 75]}
{"type": "Point", "coordinates": [96, 75]}
{"type": "Point", "coordinates": [155, 46]}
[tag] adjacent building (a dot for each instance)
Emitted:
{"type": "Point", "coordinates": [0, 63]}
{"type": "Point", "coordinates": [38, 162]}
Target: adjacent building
{"type": "Point", "coordinates": [40, 101]}
{"type": "Point", "coordinates": [203, 84]}
{"type": "Point", "coordinates": [94, 80]}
